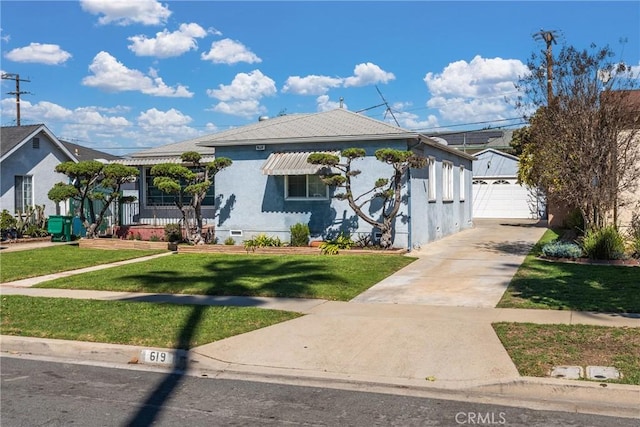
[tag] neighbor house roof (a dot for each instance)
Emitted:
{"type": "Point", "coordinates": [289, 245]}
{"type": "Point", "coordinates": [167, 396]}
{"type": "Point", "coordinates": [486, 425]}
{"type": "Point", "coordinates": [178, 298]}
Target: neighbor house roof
{"type": "Point", "coordinates": [85, 153]}
{"type": "Point", "coordinates": [13, 137]}
{"type": "Point", "coordinates": [476, 140]}
{"type": "Point", "coordinates": [175, 149]}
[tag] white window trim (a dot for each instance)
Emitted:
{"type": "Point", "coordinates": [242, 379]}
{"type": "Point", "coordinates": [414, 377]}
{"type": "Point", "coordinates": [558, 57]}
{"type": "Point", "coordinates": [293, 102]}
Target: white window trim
{"type": "Point", "coordinates": [30, 202]}
{"type": "Point", "coordinates": [432, 180]}
{"type": "Point", "coordinates": [463, 187]}
{"type": "Point", "coordinates": [447, 181]}
{"type": "Point", "coordinates": [307, 198]}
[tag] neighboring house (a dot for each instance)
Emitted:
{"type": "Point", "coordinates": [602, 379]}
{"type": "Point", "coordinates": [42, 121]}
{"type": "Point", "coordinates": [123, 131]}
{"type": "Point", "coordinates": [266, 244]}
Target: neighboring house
{"type": "Point", "coordinates": [29, 155]}
{"type": "Point", "coordinates": [628, 201]}
{"type": "Point", "coordinates": [474, 141]}
{"type": "Point", "coordinates": [496, 192]}
{"type": "Point", "coordinates": [270, 186]}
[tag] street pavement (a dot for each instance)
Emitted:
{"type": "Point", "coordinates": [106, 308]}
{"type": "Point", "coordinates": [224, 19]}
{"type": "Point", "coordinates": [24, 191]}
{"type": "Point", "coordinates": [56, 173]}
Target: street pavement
{"type": "Point", "coordinates": [426, 327]}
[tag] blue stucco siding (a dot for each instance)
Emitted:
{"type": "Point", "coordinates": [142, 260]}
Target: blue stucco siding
{"type": "Point", "coordinates": [259, 205]}
{"type": "Point", "coordinates": [254, 203]}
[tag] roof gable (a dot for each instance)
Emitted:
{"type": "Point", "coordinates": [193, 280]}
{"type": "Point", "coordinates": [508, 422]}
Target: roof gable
{"type": "Point", "coordinates": [14, 137]}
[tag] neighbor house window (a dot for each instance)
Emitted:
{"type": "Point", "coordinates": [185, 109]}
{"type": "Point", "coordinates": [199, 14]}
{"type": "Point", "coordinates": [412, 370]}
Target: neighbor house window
{"type": "Point", "coordinates": [24, 192]}
{"type": "Point", "coordinates": [305, 187]}
{"type": "Point", "coordinates": [462, 183]}
{"type": "Point", "coordinates": [432, 179]}
{"type": "Point", "coordinates": [447, 181]}
{"type": "Point", "coordinates": [153, 196]}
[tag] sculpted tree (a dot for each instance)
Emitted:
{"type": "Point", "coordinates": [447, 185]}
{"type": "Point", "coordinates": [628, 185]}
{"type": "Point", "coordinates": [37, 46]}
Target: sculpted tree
{"type": "Point", "coordinates": [581, 146]}
{"type": "Point", "coordinates": [387, 190]}
{"type": "Point", "coordinates": [189, 183]}
{"type": "Point", "coordinates": [91, 181]}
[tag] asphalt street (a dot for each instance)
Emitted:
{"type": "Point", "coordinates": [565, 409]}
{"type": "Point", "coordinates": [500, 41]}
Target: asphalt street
{"type": "Point", "coordinates": [60, 394]}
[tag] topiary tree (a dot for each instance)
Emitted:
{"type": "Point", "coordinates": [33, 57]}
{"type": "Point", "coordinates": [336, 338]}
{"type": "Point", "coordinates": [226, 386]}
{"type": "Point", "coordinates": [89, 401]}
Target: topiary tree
{"type": "Point", "coordinates": [387, 190]}
{"type": "Point", "coordinates": [189, 183]}
{"type": "Point", "coordinates": [91, 181]}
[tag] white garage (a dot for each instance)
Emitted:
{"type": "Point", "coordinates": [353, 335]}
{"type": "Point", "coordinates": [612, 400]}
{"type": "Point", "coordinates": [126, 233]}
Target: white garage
{"type": "Point", "coordinates": [496, 193]}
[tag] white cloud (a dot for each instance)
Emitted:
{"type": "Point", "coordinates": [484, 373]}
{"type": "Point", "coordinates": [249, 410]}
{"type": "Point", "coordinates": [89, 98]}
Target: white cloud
{"type": "Point", "coordinates": [409, 120]}
{"type": "Point", "coordinates": [229, 51]}
{"type": "Point", "coordinates": [126, 12]}
{"type": "Point", "coordinates": [325, 104]}
{"type": "Point", "coordinates": [253, 85]}
{"type": "Point", "coordinates": [245, 108]}
{"type": "Point", "coordinates": [49, 54]}
{"type": "Point", "coordinates": [476, 90]}
{"type": "Point", "coordinates": [112, 76]}
{"type": "Point", "coordinates": [5, 38]}
{"type": "Point", "coordinates": [166, 44]}
{"type": "Point", "coordinates": [153, 118]}
{"type": "Point", "coordinates": [368, 74]}
{"type": "Point", "coordinates": [311, 85]}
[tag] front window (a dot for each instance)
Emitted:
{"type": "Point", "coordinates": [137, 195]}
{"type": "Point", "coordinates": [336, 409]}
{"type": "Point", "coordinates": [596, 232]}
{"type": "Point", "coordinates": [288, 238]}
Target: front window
{"type": "Point", "coordinates": [305, 187]}
{"type": "Point", "coordinates": [155, 197]}
{"type": "Point", "coordinates": [24, 192]}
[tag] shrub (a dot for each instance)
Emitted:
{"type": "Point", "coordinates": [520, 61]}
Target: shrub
{"type": "Point", "coordinates": [173, 233]}
{"type": "Point", "coordinates": [229, 241]}
{"type": "Point", "coordinates": [300, 234]}
{"type": "Point", "coordinates": [603, 243]}
{"type": "Point", "coordinates": [560, 249]}
{"type": "Point", "coordinates": [332, 247]}
{"type": "Point", "coordinates": [154, 238]}
{"type": "Point", "coordinates": [261, 241]}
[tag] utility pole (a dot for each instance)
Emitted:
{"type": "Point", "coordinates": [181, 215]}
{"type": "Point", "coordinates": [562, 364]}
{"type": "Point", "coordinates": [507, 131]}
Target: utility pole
{"type": "Point", "coordinates": [549, 37]}
{"type": "Point", "coordinates": [17, 93]}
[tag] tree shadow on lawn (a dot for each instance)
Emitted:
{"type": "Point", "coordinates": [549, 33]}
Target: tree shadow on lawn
{"type": "Point", "coordinates": [260, 277]}
{"type": "Point", "coordinates": [223, 278]}
{"type": "Point", "coordinates": [560, 286]}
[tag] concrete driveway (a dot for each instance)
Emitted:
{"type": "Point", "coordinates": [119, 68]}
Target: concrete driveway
{"type": "Point", "coordinates": [469, 269]}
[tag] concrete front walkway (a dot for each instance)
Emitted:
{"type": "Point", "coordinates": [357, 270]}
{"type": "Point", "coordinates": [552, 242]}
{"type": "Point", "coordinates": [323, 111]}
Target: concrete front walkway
{"type": "Point", "coordinates": [469, 269]}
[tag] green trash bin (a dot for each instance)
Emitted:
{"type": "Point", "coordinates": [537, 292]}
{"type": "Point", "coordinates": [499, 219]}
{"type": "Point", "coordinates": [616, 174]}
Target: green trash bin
{"type": "Point", "coordinates": [59, 226]}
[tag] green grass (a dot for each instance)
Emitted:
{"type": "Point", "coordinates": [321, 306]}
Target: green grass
{"type": "Point", "coordinates": [38, 262]}
{"type": "Point", "coordinates": [543, 284]}
{"type": "Point", "coordinates": [301, 276]}
{"type": "Point", "coordinates": [133, 323]}
{"type": "Point", "coordinates": [536, 349]}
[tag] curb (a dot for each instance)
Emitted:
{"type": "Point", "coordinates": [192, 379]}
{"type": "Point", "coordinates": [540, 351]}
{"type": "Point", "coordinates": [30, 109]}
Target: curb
{"type": "Point", "coordinates": [549, 394]}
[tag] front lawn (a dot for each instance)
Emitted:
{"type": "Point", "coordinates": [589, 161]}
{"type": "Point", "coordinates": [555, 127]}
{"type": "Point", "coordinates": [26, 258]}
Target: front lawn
{"type": "Point", "coordinates": [42, 261]}
{"type": "Point", "coordinates": [132, 323]}
{"type": "Point", "coordinates": [562, 286]}
{"type": "Point", "coordinates": [536, 349]}
{"type": "Point", "coordinates": [339, 277]}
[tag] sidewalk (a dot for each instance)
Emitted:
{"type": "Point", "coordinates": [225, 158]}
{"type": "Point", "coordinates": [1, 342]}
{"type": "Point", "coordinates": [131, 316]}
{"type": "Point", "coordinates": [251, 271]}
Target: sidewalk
{"type": "Point", "coordinates": [426, 328]}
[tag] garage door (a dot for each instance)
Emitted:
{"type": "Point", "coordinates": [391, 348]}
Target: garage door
{"type": "Point", "coordinates": [503, 198]}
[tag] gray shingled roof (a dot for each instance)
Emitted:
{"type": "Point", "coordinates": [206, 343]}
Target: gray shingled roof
{"type": "Point", "coordinates": [14, 135]}
{"type": "Point", "coordinates": [85, 153]}
{"type": "Point", "coordinates": [334, 125]}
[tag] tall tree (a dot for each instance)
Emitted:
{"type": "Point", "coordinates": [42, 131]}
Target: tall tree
{"type": "Point", "coordinates": [91, 181]}
{"type": "Point", "coordinates": [387, 190]}
{"type": "Point", "coordinates": [581, 145]}
{"type": "Point", "coordinates": [189, 182]}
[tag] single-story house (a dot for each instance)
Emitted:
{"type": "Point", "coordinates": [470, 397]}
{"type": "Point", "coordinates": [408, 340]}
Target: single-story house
{"type": "Point", "coordinates": [496, 192]}
{"type": "Point", "coordinates": [270, 186]}
{"type": "Point", "coordinates": [29, 155]}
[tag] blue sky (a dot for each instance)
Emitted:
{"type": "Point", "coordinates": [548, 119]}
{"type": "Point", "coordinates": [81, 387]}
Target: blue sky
{"type": "Point", "coordinates": [122, 76]}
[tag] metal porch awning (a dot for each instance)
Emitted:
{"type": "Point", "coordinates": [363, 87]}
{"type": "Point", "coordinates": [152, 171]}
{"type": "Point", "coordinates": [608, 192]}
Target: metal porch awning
{"type": "Point", "coordinates": [295, 163]}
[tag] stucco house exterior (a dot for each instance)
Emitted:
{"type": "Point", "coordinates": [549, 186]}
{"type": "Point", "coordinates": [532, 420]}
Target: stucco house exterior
{"type": "Point", "coordinates": [29, 155]}
{"type": "Point", "coordinates": [496, 192]}
{"type": "Point", "coordinates": [270, 186]}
